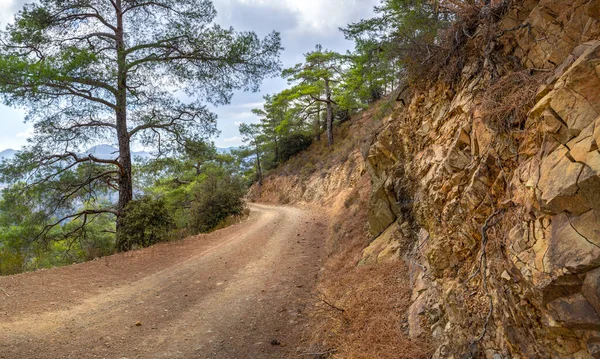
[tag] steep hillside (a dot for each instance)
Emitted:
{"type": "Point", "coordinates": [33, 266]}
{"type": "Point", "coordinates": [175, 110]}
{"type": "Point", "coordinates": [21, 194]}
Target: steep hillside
{"type": "Point", "coordinates": [487, 190]}
{"type": "Point", "coordinates": [357, 310]}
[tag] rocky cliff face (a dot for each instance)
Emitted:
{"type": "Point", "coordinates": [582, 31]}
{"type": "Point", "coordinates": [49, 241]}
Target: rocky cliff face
{"type": "Point", "coordinates": [503, 222]}
{"type": "Point", "coordinates": [498, 217]}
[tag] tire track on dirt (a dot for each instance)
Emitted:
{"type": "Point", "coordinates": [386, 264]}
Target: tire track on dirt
{"type": "Point", "coordinates": [225, 299]}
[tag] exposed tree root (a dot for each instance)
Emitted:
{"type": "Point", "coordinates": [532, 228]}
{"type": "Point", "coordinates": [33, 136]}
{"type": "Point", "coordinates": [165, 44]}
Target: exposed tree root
{"type": "Point", "coordinates": [483, 267]}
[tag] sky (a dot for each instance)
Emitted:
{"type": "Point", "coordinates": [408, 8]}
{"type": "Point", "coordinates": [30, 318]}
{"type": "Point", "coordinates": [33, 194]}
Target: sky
{"type": "Point", "coordinates": [302, 24]}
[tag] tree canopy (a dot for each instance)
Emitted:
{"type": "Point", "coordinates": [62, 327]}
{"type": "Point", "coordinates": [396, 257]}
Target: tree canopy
{"type": "Point", "coordinates": [91, 71]}
{"type": "Point", "coordinates": [314, 81]}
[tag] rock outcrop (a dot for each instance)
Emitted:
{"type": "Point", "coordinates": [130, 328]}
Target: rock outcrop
{"type": "Point", "coordinates": [499, 223]}
{"type": "Point", "coordinates": [533, 191]}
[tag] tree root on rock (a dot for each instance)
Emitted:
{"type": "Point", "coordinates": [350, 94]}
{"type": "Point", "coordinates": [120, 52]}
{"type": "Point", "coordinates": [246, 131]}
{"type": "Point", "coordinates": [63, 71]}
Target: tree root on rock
{"type": "Point", "coordinates": [490, 222]}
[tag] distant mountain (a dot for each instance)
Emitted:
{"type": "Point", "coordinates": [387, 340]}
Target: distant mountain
{"type": "Point", "coordinates": [226, 150]}
{"type": "Point", "coordinates": [104, 152]}
{"type": "Point", "coordinates": [107, 152]}
{"type": "Point", "coordinates": [6, 154]}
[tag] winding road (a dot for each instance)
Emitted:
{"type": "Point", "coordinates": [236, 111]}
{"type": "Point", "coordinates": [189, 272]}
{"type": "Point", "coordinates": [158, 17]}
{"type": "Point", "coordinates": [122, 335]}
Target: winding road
{"type": "Point", "coordinates": [241, 292]}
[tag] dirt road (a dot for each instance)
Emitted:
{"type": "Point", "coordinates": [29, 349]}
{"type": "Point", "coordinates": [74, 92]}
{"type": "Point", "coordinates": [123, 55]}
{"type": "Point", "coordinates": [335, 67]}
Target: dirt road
{"type": "Point", "coordinates": [228, 294]}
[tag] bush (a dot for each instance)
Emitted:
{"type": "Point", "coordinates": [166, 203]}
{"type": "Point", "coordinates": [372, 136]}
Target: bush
{"type": "Point", "coordinates": [145, 222]}
{"type": "Point", "coordinates": [293, 144]}
{"type": "Point", "coordinates": [341, 115]}
{"type": "Point", "coordinates": [217, 197]}
{"type": "Point", "coordinates": [11, 262]}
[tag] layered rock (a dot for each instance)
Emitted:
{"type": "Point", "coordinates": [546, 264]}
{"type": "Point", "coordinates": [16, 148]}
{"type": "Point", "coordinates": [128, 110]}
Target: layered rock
{"type": "Point", "coordinates": [537, 187]}
{"type": "Point", "coordinates": [444, 176]}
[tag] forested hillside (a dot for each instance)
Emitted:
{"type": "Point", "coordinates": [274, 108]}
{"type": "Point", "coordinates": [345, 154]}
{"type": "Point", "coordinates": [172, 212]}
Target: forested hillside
{"type": "Point", "coordinates": [453, 153]}
{"type": "Point", "coordinates": [96, 72]}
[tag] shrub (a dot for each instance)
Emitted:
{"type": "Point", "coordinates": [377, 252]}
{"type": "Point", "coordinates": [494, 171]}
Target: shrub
{"type": "Point", "coordinates": [11, 262]}
{"type": "Point", "coordinates": [341, 115]}
{"type": "Point", "coordinates": [216, 198]}
{"type": "Point", "coordinates": [293, 144]}
{"type": "Point", "coordinates": [145, 222]}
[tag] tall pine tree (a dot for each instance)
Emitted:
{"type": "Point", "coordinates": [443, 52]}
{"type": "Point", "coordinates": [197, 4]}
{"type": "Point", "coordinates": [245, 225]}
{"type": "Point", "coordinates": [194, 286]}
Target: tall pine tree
{"type": "Point", "coordinates": [94, 71]}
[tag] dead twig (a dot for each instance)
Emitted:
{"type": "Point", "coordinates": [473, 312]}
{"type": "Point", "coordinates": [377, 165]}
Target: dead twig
{"type": "Point", "coordinates": [323, 298]}
{"type": "Point", "coordinates": [522, 26]}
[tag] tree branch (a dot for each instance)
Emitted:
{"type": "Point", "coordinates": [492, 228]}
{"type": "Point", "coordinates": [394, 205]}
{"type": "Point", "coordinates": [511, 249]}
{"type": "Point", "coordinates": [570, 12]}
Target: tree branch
{"type": "Point", "coordinates": [83, 16]}
{"type": "Point", "coordinates": [75, 216]}
{"type": "Point", "coordinates": [147, 3]}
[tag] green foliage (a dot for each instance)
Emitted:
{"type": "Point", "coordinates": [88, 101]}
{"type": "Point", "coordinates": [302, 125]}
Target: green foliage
{"type": "Point", "coordinates": [199, 190]}
{"type": "Point", "coordinates": [217, 197]}
{"type": "Point", "coordinates": [251, 134]}
{"type": "Point", "coordinates": [316, 82]}
{"type": "Point", "coordinates": [76, 239]}
{"type": "Point", "coordinates": [11, 262]}
{"type": "Point", "coordinates": [146, 221]}
{"type": "Point", "coordinates": [293, 144]}
{"type": "Point", "coordinates": [371, 74]}
{"type": "Point", "coordinates": [91, 72]}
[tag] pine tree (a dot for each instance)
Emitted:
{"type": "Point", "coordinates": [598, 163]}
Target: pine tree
{"type": "Point", "coordinates": [93, 71]}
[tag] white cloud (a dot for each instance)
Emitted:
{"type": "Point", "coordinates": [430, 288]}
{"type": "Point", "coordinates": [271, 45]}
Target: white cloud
{"type": "Point", "coordinates": [8, 8]}
{"type": "Point", "coordinates": [5, 11]}
{"type": "Point", "coordinates": [238, 123]}
{"type": "Point", "coordinates": [25, 134]}
{"type": "Point", "coordinates": [317, 15]}
{"type": "Point", "coordinates": [236, 140]}
{"type": "Point", "coordinates": [251, 105]}
{"type": "Point", "coordinates": [234, 115]}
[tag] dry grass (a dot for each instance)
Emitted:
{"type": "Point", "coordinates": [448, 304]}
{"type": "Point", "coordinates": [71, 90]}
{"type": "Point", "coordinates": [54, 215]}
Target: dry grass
{"type": "Point", "coordinates": [473, 33]}
{"type": "Point", "coordinates": [506, 102]}
{"type": "Point", "coordinates": [360, 311]}
{"type": "Point", "coordinates": [362, 314]}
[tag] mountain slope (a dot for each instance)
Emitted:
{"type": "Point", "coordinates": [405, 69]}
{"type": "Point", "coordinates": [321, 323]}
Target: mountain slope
{"type": "Point", "coordinates": [486, 188]}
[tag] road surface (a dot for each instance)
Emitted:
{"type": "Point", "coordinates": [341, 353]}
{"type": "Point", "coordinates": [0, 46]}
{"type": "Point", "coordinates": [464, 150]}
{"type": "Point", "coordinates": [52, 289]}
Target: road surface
{"type": "Point", "coordinates": [241, 292]}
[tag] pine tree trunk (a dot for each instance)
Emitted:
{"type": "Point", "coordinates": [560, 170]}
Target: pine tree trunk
{"type": "Point", "coordinates": [329, 114]}
{"type": "Point", "coordinates": [260, 177]}
{"type": "Point", "coordinates": [318, 122]}
{"type": "Point", "coordinates": [276, 149]}
{"type": "Point", "coordinates": [125, 178]}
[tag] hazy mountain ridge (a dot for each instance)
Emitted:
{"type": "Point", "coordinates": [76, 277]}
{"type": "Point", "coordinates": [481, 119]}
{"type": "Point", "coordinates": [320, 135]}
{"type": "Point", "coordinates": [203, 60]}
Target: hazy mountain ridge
{"type": "Point", "coordinates": [8, 153]}
{"type": "Point", "coordinates": [109, 152]}
{"type": "Point", "coordinates": [226, 150]}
